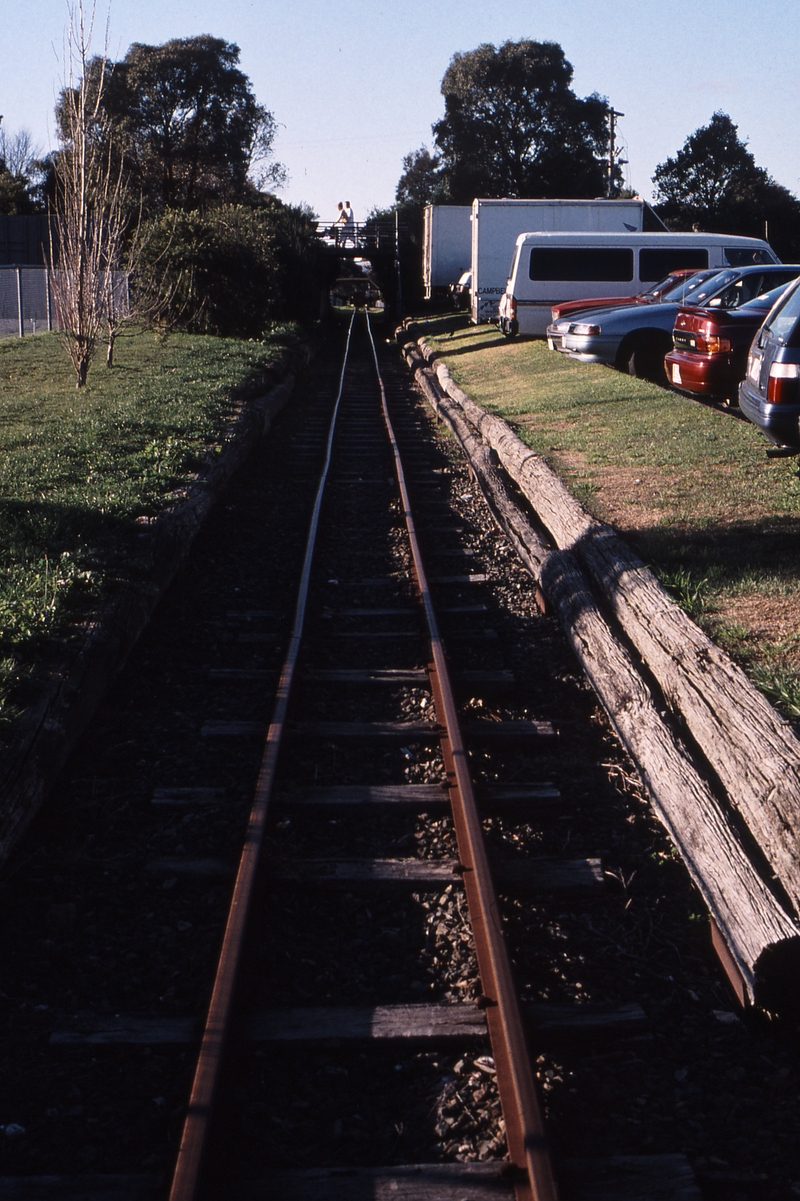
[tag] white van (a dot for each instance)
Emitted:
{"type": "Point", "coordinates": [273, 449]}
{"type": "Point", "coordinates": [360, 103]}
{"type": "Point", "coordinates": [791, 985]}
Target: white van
{"type": "Point", "coordinates": [548, 268]}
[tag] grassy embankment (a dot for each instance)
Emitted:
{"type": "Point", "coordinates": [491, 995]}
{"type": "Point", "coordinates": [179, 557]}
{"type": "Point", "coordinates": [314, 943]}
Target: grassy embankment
{"type": "Point", "coordinates": [78, 468]}
{"type": "Point", "coordinates": [689, 486]}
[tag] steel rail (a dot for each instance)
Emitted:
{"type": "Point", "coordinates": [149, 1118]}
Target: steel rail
{"type": "Point", "coordinates": [525, 1135]}
{"type": "Point", "coordinates": [187, 1178]}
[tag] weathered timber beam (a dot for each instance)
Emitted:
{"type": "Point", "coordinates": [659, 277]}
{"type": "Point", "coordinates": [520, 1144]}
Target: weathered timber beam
{"type": "Point", "coordinates": [725, 714]}
{"type": "Point", "coordinates": [763, 940]}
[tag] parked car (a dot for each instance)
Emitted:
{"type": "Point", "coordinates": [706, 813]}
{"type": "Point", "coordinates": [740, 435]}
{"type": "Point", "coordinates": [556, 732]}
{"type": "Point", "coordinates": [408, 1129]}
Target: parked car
{"type": "Point", "coordinates": [709, 355]}
{"type": "Point", "coordinates": [637, 337]}
{"type": "Point", "coordinates": [675, 282]}
{"type": "Point", "coordinates": [769, 394]}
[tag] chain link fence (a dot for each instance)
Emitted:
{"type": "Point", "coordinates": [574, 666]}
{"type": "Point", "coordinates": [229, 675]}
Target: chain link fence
{"type": "Point", "coordinates": [27, 304]}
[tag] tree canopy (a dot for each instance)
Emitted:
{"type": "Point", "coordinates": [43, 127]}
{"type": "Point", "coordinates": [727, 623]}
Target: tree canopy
{"type": "Point", "coordinates": [714, 183]}
{"type": "Point", "coordinates": [20, 174]}
{"type": "Point", "coordinates": [513, 126]}
{"type": "Point", "coordinates": [185, 117]}
{"type": "Point", "coordinates": [421, 181]}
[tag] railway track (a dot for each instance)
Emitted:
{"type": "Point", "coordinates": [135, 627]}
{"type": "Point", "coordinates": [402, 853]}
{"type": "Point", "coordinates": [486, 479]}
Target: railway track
{"type": "Point", "coordinates": [426, 744]}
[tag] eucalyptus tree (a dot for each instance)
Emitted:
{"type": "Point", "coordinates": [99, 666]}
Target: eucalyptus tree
{"type": "Point", "coordinates": [513, 126]}
{"type": "Point", "coordinates": [714, 183]}
{"type": "Point", "coordinates": [185, 116]}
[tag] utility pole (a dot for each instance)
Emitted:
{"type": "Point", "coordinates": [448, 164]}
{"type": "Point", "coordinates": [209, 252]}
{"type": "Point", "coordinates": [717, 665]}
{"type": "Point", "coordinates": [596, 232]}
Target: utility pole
{"type": "Point", "coordinates": [613, 160]}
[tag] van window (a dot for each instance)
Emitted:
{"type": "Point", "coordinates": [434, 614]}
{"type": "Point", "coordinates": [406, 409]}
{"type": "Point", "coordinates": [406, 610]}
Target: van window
{"type": "Point", "coordinates": [654, 263]}
{"type": "Point", "coordinates": [743, 256]}
{"type": "Point", "coordinates": [582, 263]}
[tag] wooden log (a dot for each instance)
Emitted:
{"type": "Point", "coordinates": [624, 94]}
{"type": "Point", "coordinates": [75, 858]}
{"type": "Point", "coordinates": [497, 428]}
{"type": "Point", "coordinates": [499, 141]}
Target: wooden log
{"type": "Point", "coordinates": [413, 796]}
{"type": "Point", "coordinates": [416, 796]}
{"type": "Point", "coordinates": [583, 1021]}
{"type": "Point", "coordinates": [95, 1186]}
{"type": "Point", "coordinates": [405, 1023]}
{"type": "Point", "coordinates": [726, 715]}
{"type": "Point", "coordinates": [621, 1178]}
{"type": "Point", "coordinates": [191, 867]}
{"type": "Point", "coordinates": [419, 1182]}
{"type": "Point", "coordinates": [537, 874]}
{"type": "Point", "coordinates": [188, 796]}
{"type": "Point", "coordinates": [763, 941]}
{"type": "Point", "coordinates": [365, 729]}
{"type": "Point", "coordinates": [127, 1031]}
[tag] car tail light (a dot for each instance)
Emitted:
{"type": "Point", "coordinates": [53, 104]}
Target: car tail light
{"type": "Point", "coordinates": [512, 306]}
{"type": "Point", "coordinates": [782, 385]}
{"type": "Point", "coordinates": [713, 344]}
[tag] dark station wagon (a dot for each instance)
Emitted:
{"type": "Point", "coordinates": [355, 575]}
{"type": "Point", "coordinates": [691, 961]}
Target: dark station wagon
{"type": "Point", "coordinates": [769, 395]}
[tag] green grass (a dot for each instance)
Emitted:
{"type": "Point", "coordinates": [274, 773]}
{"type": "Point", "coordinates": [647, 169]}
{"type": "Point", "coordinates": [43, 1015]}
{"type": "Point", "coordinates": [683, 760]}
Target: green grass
{"type": "Point", "coordinates": [79, 470]}
{"type": "Point", "coordinates": [689, 486]}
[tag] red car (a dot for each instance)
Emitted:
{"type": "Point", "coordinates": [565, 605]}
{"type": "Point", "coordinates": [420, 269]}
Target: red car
{"type": "Point", "coordinates": [710, 347]}
{"type": "Point", "coordinates": [653, 295]}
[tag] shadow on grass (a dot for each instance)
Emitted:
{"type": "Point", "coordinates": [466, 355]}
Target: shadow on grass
{"type": "Point", "coordinates": [743, 552]}
{"type": "Point", "coordinates": [473, 348]}
{"type": "Point", "coordinates": [54, 560]}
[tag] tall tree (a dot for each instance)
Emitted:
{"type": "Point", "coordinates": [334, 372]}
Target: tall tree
{"type": "Point", "coordinates": [513, 126]}
{"type": "Point", "coordinates": [187, 117]}
{"type": "Point", "coordinates": [421, 182]}
{"type": "Point", "coordinates": [714, 183]}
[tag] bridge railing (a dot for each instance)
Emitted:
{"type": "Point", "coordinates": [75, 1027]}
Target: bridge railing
{"type": "Point", "coordinates": [381, 236]}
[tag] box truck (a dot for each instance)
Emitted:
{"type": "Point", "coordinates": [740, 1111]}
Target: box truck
{"type": "Point", "coordinates": [446, 246]}
{"type": "Point", "coordinates": [496, 225]}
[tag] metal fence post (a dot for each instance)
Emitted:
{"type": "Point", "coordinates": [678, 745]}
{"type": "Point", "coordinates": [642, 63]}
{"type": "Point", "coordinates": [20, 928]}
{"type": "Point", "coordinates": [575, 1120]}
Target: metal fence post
{"type": "Point", "coordinates": [20, 322]}
{"type": "Point", "coordinates": [47, 299]}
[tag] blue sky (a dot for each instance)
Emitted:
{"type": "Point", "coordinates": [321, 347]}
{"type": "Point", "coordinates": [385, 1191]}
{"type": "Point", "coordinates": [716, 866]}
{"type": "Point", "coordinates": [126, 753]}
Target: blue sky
{"type": "Point", "coordinates": [355, 86]}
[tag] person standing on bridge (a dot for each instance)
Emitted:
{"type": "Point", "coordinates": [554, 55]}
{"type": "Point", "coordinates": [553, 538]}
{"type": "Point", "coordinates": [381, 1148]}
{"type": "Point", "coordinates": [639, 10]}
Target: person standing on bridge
{"type": "Point", "coordinates": [349, 224]}
{"type": "Point", "coordinates": [339, 224]}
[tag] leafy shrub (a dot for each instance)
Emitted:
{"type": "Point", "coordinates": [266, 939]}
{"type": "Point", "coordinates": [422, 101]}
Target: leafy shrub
{"type": "Point", "coordinates": [230, 271]}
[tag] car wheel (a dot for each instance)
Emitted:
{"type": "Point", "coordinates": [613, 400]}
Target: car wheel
{"type": "Point", "coordinates": [645, 359]}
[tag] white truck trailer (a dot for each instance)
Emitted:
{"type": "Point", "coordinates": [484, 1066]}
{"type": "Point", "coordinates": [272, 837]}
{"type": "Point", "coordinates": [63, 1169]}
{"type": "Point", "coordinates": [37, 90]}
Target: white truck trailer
{"type": "Point", "coordinates": [496, 225]}
{"type": "Point", "coordinates": [447, 246]}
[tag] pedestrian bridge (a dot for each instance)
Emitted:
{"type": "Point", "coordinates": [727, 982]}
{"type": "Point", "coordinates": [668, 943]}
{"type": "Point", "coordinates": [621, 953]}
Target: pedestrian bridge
{"type": "Point", "coordinates": [361, 239]}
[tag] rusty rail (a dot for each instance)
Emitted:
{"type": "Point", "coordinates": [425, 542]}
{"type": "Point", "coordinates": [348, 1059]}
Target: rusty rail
{"type": "Point", "coordinates": [186, 1180]}
{"type": "Point", "coordinates": [521, 1111]}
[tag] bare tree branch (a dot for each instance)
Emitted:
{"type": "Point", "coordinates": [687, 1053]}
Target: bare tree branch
{"type": "Point", "coordinates": [91, 204]}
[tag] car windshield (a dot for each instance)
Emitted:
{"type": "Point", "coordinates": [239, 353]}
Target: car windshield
{"type": "Point", "coordinates": [664, 285]}
{"type": "Point", "coordinates": [784, 318]}
{"type": "Point", "coordinates": [698, 291]}
{"type": "Point", "coordinates": [688, 285]}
